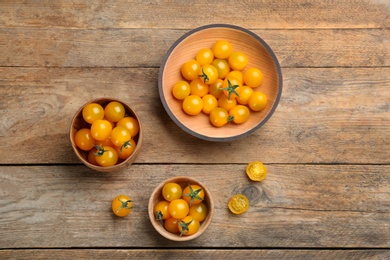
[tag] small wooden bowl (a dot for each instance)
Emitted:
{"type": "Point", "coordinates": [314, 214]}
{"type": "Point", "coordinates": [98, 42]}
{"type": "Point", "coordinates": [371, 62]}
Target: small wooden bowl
{"type": "Point", "coordinates": [78, 123]}
{"type": "Point", "coordinates": [259, 54]}
{"type": "Point", "coordinates": [157, 196]}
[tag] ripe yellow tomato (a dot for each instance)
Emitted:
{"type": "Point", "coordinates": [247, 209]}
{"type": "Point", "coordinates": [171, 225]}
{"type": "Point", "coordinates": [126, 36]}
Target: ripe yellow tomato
{"type": "Point", "coordinates": [257, 101]}
{"type": "Point", "coordinates": [178, 208]}
{"type": "Point", "coordinates": [101, 129]}
{"type": "Point", "coordinates": [120, 135]}
{"type": "Point", "coordinates": [172, 225]}
{"type": "Point", "coordinates": [222, 49]}
{"type": "Point", "coordinates": [121, 205]}
{"type": "Point", "coordinates": [188, 226]}
{"type": "Point", "coordinates": [106, 156]}
{"type": "Point", "coordinates": [209, 74]}
{"type": "Point", "coordinates": [239, 114]}
{"type": "Point", "coordinates": [181, 90]}
{"type": "Point", "coordinates": [244, 94]}
{"type": "Point", "coordinates": [92, 112]}
{"type": "Point", "coordinates": [161, 210]}
{"type": "Point", "coordinates": [198, 211]}
{"type": "Point", "coordinates": [219, 117]}
{"type": "Point", "coordinates": [198, 87]}
{"type": "Point", "coordinates": [229, 86]}
{"type": "Point", "coordinates": [238, 204]}
{"type": "Point", "coordinates": [256, 171]}
{"type": "Point", "coordinates": [253, 77]}
{"type": "Point", "coordinates": [193, 194]}
{"type": "Point", "coordinates": [130, 123]}
{"type": "Point", "coordinates": [209, 103]}
{"type": "Point", "coordinates": [83, 139]}
{"type": "Point", "coordinates": [192, 105]}
{"type": "Point", "coordinates": [126, 149]}
{"type": "Point", "coordinates": [190, 70]}
{"type": "Point", "coordinates": [204, 56]}
{"type": "Point", "coordinates": [216, 88]}
{"type": "Point", "coordinates": [222, 67]}
{"type": "Point", "coordinates": [114, 111]}
{"type": "Point", "coordinates": [238, 60]}
{"type": "Point", "coordinates": [226, 103]}
{"type": "Point", "coordinates": [171, 191]}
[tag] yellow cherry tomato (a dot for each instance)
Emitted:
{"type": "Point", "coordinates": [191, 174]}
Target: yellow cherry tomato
{"type": "Point", "coordinates": [171, 191]}
{"type": "Point", "coordinates": [92, 112]}
{"type": "Point", "coordinates": [121, 205]}
{"type": "Point", "coordinates": [83, 139]}
{"type": "Point", "coordinates": [222, 49]}
{"type": "Point", "coordinates": [126, 149]}
{"type": "Point", "coordinates": [161, 210]}
{"type": "Point", "coordinates": [209, 103]}
{"type": "Point", "coordinates": [193, 194]}
{"type": "Point", "coordinates": [256, 171]}
{"type": "Point", "coordinates": [114, 111]}
{"type": "Point", "coordinates": [178, 208]}
{"type": "Point", "coordinates": [130, 123]}
{"type": "Point", "coordinates": [204, 56]}
{"type": "Point", "coordinates": [257, 101]}
{"type": "Point", "coordinates": [198, 211]}
{"type": "Point", "coordinates": [190, 70]}
{"type": "Point", "coordinates": [198, 87]}
{"type": "Point", "coordinates": [101, 129]}
{"type": "Point", "coordinates": [219, 117]}
{"type": "Point", "coordinates": [172, 225]}
{"type": "Point", "coordinates": [222, 67]}
{"type": "Point", "coordinates": [181, 90]}
{"type": "Point", "coordinates": [216, 88]}
{"type": "Point", "coordinates": [238, 60]}
{"type": "Point", "coordinates": [229, 86]}
{"type": "Point", "coordinates": [106, 156]}
{"type": "Point", "coordinates": [239, 114]}
{"type": "Point", "coordinates": [244, 94]}
{"type": "Point", "coordinates": [192, 105]}
{"type": "Point", "coordinates": [120, 135]}
{"type": "Point", "coordinates": [226, 103]}
{"type": "Point", "coordinates": [188, 226]}
{"type": "Point", "coordinates": [209, 74]}
{"type": "Point", "coordinates": [253, 77]}
{"type": "Point", "coordinates": [238, 204]}
{"type": "Point", "coordinates": [238, 75]}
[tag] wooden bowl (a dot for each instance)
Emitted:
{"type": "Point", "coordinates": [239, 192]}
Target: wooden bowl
{"type": "Point", "coordinates": [259, 54]}
{"type": "Point", "coordinates": [78, 123]}
{"type": "Point", "coordinates": [157, 196]}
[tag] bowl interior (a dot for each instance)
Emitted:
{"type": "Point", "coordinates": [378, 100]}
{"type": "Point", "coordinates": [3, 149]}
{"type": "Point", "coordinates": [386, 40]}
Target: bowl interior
{"type": "Point", "coordinates": [157, 196]}
{"type": "Point", "coordinates": [259, 55]}
{"type": "Point", "coordinates": [79, 123]}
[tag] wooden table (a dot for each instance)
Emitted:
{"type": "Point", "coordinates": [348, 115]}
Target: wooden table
{"type": "Point", "coordinates": [327, 146]}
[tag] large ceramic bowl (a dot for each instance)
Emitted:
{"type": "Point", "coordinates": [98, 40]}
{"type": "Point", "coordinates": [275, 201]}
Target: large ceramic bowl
{"type": "Point", "coordinates": [259, 54]}
{"type": "Point", "coordinates": [78, 123]}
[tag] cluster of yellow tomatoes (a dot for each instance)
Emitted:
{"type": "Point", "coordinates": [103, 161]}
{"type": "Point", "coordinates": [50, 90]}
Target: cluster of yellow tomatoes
{"type": "Point", "coordinates": [110, 137]}
{"type": "Point", "coordinates": [217, 83]}
{"type": "Point", "coordinates": [182, 210]}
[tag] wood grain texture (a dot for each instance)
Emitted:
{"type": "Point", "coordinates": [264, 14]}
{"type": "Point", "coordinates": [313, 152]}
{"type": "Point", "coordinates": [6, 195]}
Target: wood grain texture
{"type": "Point", "coordinates": [297, 206]}
{"type": "Point", "coordinates": [49, 47]}
{"type": "Point", "coordinates": [178, 14]}
{"type": "Point", "coordinates": [325, 115]}
{"type": "Point", "coordinates": [193, 253]}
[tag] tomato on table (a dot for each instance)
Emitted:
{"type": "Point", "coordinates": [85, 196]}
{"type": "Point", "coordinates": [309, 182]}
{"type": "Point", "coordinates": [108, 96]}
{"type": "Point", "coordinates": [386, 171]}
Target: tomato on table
{"type": "Point", "coordinates": [238, 204]}
{"type": "Point", "coordinates": [121, 205]}
{"type": "Point", "coordinates": [256, 171]}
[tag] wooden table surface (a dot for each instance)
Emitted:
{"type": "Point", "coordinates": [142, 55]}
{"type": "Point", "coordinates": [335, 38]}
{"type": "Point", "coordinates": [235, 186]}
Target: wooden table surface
{"type": "Point", "coordinates": [327, 146]}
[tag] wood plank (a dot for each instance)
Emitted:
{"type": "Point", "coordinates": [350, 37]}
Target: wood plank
{"type": "Point", "coordinates": [297, 206]}
{"type": "Point", "coordinates": [338, 115]}
{"type": "Point", "coordinates": [178, 14]}
{"type": "Point", "coordinates": [147, 47]}
{"type": "Point", "coordinates": [189, 253]}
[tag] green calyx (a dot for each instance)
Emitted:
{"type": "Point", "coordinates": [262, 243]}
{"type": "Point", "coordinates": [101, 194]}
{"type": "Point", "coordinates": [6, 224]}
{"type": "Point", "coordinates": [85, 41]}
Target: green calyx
{"type": "Point", "coordinates": [159, 217]}
{"type": "Point", "coordinates": [204, 76]}
{"type": "Point", "coordinates": [184, 226]}
{"type": "Point", "coordinates": [100, 150]}
{"type": "Point", "coordinates": [124, 205]}
{"type": "Point", "coordinates": [193, 194]}
{"type": "Point", "coordinates": [231, 89]}
{"type": "Point", "coordinates": [125, 145]}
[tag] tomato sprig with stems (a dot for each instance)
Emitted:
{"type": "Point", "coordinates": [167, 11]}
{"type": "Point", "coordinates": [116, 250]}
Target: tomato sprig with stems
{"type": "Point", "coordinates": [231, 89]}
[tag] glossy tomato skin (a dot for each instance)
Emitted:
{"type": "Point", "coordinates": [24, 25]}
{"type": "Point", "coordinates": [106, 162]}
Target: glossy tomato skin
{"type": "Point", "coordinates": [171, 191]}
{"type": "Point", "coordinates": [244, 94]}
{"type": "Point", "coordinates": [219, 117]}
{"type": "Point", "coordinates": [126, 150]}
{"type": "Point", "coordinates": [257, 101]}
{"type": "Point", "coordinates": [209, 103]}
{"type": "Point", "coordinates": [222, 49]}
{"type": "Point", "coordinates": [238, 204]}
{"type": "Point", "coordinates": [191, 70]}
{"type": "Point", "coordinates": [161, 210]}
{"type": "Point", "coordinates": [216, 88]}
{"type": "Point", "coordinates": [238, 60]}
{"type": "Point", "coordinates": [253, 77]}
{"type": "Point", "coordinates": [239, 114]}
{"type": "Point", "coordinates": [222, 67]}
{"type": "Point", "coordinates": [172, 225]}
{"type": "Point", "coordinates": [92, 112]}
{"type": "Point", "coordinates": [199, 211]}
{"type": "Point", "coordinates": [83, 139]}
{"type": "Point", "coordinates": [109, 156]}
{"type": "Point", "coordinates": [114, 111]}
{"type": "Point", "coordinates": [204, 56]}
{"type": "Point", "coordinates": [230, 85]}
{"type": "Point", "coordinates": [178, 208]}
{"type": "Point", "coordinates": [226, 103]}
{"type": "Point", "coordinates": [198, 88]}
{"type": "Point", "coordinates": [209, 74]}
{"type": "Point", "coordinates": [121, 205]}
{"type": "Point", "coordinates": [131, 124]}
{"type": "Point", "coordinates": [101, 129]}
{"type": "Point", "coordinates": [181, 90]}
{"type": "Point", "coordinates": [120, 135]}
{"type": "Point", "coordinates": [188, 226]}
{"type": "Point", "coordinates": [192, 105]}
